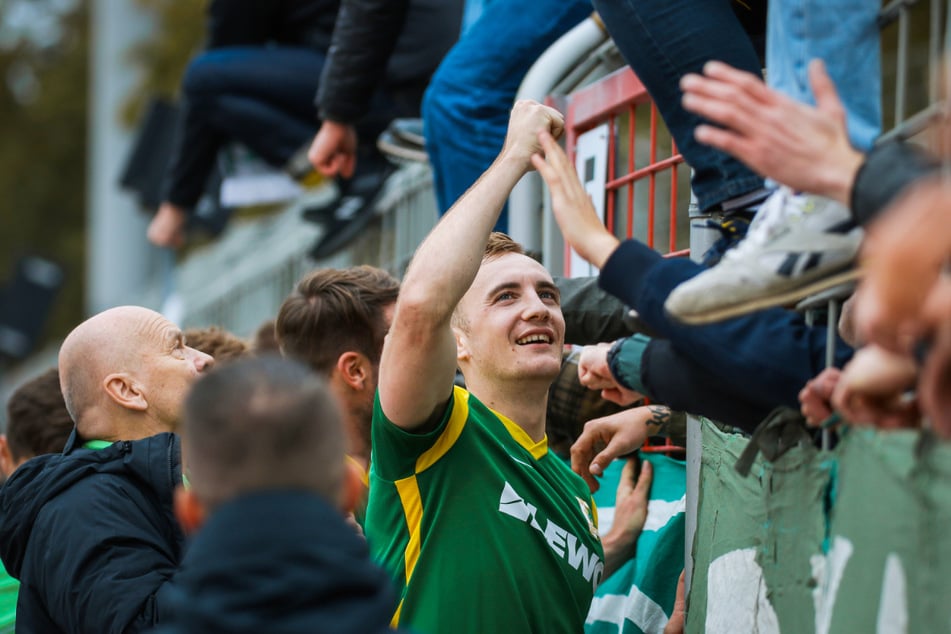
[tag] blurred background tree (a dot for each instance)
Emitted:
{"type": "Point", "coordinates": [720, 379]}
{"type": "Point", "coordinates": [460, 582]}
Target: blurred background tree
{"type": "Point", "coordinates": [44, 73]}
{"type": "Point", "coordinates": [43, 99]}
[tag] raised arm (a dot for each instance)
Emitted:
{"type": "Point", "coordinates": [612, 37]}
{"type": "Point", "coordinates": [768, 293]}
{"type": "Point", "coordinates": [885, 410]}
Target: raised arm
{"type": "Point", "coordinates": [419, 356]}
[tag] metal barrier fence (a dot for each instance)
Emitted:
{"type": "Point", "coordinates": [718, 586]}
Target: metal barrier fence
{"type": "Point", "coordinates": [621, 103]}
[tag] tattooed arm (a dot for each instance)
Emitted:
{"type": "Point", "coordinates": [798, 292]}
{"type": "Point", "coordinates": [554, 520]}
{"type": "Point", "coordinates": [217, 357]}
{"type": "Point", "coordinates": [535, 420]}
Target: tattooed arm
{"type": "Point", "coordinates": [607, 438]}
{"type": "Point", "coordinates": [659, 420]}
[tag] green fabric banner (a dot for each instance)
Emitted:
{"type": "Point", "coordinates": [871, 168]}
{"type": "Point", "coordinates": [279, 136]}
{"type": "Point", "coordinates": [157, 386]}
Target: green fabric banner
{"type": "Point", "coordinates": [852, 540]}
{"type": "Point", "coordinates": [640, 595]}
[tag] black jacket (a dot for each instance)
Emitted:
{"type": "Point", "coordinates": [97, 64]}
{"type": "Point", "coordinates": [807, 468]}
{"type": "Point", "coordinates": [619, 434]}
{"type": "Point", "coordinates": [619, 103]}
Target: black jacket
{"type": "Point", "coordinates": [307, 23]}
{"type": "Point", "coordinates": [384, 43]}
{"type": "Point", "coordinates": [279, 562]}
{"type": "Point", "coordinates": [92, 537]}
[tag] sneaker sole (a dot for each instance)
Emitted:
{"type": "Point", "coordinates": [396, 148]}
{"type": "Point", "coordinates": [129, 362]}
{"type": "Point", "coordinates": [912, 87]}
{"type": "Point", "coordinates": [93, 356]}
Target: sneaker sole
{"type": "Point", "coordinates": [407, 135]}
{"type": "Point", "coordinates": [392, 148]}
{"type": "Point", "coordinates": [771, 301]}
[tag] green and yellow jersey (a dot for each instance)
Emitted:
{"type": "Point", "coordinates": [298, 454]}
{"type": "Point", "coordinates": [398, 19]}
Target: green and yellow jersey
{"type": "Point", "coordinates": [482, 529]}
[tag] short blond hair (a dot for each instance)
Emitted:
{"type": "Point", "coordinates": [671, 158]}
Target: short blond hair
{"type": "Point", "coordinates": [500, 244]}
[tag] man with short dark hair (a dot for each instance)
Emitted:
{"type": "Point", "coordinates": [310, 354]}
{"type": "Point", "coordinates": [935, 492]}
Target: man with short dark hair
{"type": "Point", "coordinates": [37, 422]}
{"type": "Point", "coordinates": [90, 533]}
{"type": "Point", "coordinates": [268, 489]}
{"type": "Point", "coordinates": [335, 321]}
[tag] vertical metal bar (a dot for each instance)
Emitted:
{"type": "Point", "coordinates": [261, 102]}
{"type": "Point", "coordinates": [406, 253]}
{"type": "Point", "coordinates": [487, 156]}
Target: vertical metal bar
{"type": "Point", "coordinates": [832, 323]}
{"type": "Point", "coordinates": [612, 157]}
{"type": "Point", "coordinates": [901, 75]}
{"type": "Point", "coordinates": [673, 199]}
{"type": "Point", "coordinates": [632, 118]}
{"type": "Point", "coordinates": [934, 51]}
{"type": "Point", "coordinates": [633, 164]}
{"type": "Point", "coordinates": [571, 144]}
{"type": "Point", "coordinates": [652, 178]}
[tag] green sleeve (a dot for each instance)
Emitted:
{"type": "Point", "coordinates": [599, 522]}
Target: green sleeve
{"type": "Point", "coordinates": [394, 450]}
{"type": "Point", "coordinates": [624, 359]}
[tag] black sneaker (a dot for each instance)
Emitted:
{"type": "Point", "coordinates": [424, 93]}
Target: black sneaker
{"type": "Point", "coordinates": [365, 184]}
{"type": "Point", "coordinates": [351, 215]}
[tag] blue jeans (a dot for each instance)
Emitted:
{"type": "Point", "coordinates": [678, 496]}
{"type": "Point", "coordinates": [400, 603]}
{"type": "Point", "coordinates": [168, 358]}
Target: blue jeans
{"type": "Point", "coordinates": [466, 107]}
{"type": "Point", "coordinates": [260, 96]}
{"type": "Point", "coordinates": [842, 33]}
{"type": "Point", "coordinates": [662, 40]}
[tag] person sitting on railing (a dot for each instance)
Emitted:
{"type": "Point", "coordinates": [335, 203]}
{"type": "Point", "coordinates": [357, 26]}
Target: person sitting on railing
{"type": "Point", "coordinates": [230, 92]}
{"type": "Point", "coordinates": [393, 44]}
{"type": "Point", "coordinates": [465, 109]}
{"type": "Point", "coordinates": [256, 82]}
{"type": "Point", "coordinates": [902, 300]}
{"type": "Point", "coordinates": [663, 42]}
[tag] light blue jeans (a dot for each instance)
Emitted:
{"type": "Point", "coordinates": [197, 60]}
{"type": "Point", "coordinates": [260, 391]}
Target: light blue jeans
{"type": "Point", "coordinates": [842, 33]}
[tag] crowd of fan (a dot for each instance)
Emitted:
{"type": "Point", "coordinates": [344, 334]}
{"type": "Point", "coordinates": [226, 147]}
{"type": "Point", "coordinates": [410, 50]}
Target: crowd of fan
{"type": "Point", "coordinates": [421, 454]}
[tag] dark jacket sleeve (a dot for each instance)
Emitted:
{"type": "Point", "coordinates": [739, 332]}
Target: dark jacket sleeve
{"type": "Point", "coordinates": [364, 37]}
{"type": "Point", "coordinates": [591, 314]}
{"type": "Point", "coordinates": [888, 169]}
{"type": "Point", "coordinates": [111, 554]}
{"type": "Point", "coordinates": [771, 352]}
{"type": "Point", "coordinates": [674, 379]}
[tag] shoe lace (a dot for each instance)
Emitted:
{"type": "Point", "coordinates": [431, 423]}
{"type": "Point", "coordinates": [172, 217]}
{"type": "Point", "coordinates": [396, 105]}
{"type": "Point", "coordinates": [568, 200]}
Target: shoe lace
{"type": "Point", "coordinates": [771, 219]}
{"type": "Point", "coordinates": [732, 231]}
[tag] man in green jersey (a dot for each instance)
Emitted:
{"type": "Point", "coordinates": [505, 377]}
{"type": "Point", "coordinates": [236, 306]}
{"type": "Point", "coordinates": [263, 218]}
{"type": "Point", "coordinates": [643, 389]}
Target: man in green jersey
{"type": "Point", "coordinates": [481, 527]}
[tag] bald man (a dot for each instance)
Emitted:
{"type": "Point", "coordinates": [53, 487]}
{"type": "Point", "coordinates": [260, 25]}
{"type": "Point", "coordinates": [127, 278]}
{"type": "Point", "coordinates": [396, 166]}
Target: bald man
{"type": "Point", "coordinates": [91, 533]}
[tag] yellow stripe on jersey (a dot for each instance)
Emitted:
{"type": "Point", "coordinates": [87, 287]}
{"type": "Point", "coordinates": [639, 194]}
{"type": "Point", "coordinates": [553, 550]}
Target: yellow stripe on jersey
{"type": "Point", "coordinates": [395, 621]}
{"type": "Point", "coordinates": [449, 436]}
{"type": "Point", "coordinates": [408, 490]}
{"type": "Point", "coordinates": [364, 475]}
{"type": "Point", "coordinates": [537, 449]}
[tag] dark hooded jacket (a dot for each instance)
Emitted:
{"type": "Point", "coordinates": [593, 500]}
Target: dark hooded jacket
{"type": "Point", "coordinates": [279, 562]}
{"type": "Point", "coordinates": [92, 537]}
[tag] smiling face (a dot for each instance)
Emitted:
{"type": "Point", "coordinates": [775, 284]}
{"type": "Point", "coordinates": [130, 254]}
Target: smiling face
{"type": "Point", "coordinates": [509, 324]}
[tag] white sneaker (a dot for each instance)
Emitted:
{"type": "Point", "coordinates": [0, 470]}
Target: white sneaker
{"type": "Point", "coordinates": [797, 245]}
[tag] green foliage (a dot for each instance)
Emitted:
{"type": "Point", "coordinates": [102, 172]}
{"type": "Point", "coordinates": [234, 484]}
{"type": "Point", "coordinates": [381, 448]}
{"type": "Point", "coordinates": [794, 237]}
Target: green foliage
{"type": "Point", "coordinates": [161, 59]}
{"type": "Point", "coordinates": [43, 158]}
